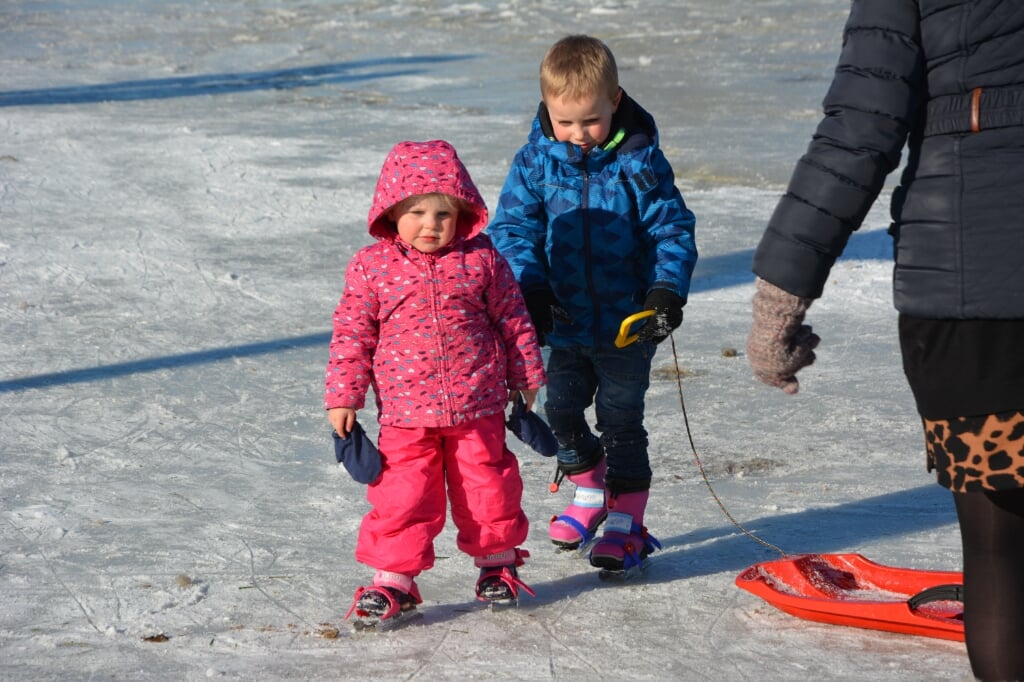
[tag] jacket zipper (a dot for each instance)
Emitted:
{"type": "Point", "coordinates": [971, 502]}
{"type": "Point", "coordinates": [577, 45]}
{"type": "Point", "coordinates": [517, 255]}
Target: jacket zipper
{"type": "Point", "coordinates": [587, 252]}
{"type": "Point", "coordinates": [441, 343]}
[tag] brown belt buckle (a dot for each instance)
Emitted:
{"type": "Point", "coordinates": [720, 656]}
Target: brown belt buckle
{"type": "Point", "coordinates": [976, 110]}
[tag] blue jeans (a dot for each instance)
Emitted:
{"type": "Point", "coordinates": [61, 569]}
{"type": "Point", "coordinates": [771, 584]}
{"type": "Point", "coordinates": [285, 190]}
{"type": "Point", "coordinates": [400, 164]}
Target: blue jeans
{"type": "Point", "coordinates": [615, 381]}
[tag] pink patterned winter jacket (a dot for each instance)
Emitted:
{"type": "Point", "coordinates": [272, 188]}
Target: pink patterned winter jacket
{"type": "Point", "coordinates": [442, 337]}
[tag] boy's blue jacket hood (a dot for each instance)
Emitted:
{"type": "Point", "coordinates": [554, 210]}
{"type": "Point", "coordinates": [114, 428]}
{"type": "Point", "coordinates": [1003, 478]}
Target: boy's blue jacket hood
{"type": "Point", "coordinates": [599, 230]}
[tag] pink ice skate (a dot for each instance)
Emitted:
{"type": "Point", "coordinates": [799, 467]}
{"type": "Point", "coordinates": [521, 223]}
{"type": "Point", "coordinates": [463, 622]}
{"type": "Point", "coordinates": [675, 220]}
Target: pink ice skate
{"type": "Point", "coordinates": [623, 549]}
{"type": "Point", "coordinates": [575, 527]}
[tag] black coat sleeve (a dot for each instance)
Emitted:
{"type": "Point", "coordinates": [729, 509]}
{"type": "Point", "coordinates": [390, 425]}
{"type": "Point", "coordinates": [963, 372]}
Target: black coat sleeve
{"type": "Point", "coordinates": [871, 106]}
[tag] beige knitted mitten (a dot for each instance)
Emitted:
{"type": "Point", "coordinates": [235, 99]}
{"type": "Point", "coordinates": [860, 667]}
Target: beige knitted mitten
{"type": "Point", "coordinates": [780, 344]}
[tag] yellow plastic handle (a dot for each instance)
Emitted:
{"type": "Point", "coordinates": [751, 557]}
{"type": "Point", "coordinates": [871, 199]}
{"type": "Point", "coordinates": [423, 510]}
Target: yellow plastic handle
{"type": "Point", "coordinates": [624, 339]}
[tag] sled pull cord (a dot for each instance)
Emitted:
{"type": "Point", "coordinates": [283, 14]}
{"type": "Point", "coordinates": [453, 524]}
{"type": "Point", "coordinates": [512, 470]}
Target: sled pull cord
{"type": "Point", "coordinates": [700, 465]}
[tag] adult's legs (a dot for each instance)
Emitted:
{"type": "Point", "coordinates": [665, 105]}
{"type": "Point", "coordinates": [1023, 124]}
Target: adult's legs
{"type": "Point", "coordinates": [992, 532]}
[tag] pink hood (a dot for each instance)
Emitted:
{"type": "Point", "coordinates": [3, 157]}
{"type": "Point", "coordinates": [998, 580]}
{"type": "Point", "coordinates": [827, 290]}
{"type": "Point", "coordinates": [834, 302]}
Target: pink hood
{"type": "Point", "coordinates": [413, 168]}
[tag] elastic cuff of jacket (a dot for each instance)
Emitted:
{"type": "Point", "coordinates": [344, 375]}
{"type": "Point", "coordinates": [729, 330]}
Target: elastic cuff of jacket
{"type": "Point", "coordinates": [621, 486]}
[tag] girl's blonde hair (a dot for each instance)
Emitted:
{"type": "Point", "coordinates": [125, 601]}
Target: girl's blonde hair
{"type": "Point", "coordinates": [450, 202]}
{"type": "Point", "coordinates": [578, 66]}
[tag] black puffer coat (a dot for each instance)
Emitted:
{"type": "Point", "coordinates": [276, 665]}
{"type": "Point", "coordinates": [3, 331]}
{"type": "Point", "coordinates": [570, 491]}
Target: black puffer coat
{"type": "Point", "coordinates": [922, 73]}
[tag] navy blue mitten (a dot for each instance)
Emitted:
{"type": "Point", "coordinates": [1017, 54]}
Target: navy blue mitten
{"type": "Point", "coordinates": [528, 427]}
{"type": "Point", "coordinates": [358, 454]}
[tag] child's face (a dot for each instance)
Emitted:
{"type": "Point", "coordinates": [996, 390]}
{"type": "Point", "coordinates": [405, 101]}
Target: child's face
{"type": "Point", "coordinates": [585, 122]}
{"type": "Point", "coordinates": [427, 224]}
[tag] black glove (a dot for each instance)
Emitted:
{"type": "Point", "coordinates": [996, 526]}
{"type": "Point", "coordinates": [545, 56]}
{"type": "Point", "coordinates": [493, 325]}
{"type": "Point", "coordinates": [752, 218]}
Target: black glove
{"type": "Point", "coordinates": [668, 314]}
{"type": "Point", "coordinates": [544, 310]}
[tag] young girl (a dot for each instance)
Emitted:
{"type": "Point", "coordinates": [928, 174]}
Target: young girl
{"type": "Point", "coordinates": [431, 319]}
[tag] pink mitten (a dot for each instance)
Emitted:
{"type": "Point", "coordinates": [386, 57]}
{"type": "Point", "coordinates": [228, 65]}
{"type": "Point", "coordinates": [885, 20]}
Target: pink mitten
{"type": "Point", "coordinates": [780, 344]}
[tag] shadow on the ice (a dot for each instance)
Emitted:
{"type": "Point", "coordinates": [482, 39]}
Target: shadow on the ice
{"type": "Point", "coordinates": [580, 579]}
{"type": "Point", "coordinates": [77, 376]}
{"type": "Point", "coordinates": [733, 269]}
{"type": "Point", "coordinates": [726, 549]}
{"type": "Point", "coordinates": [228, 83]}
{"type": "Point", "coordinates": [841, 528]}
{"type": "Point", "coordinates": [714, 272]}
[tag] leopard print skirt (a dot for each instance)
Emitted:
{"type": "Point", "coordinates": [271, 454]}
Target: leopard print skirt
{"type": "Point", "coordinates": [970, 454]}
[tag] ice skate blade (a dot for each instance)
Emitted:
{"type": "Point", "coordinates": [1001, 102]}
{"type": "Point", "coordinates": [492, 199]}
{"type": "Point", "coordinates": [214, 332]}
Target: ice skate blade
{"type": "Point", "coordinates": [500, 599]}
{"type": "Point", "coordinates": [581, 550]}
{"type": "Point", "coordinates": [502, 604]}
{"type": "Point", "coordinates": [623, 575]}
{"type": "Point", "coordinates": [582, 547]}
{"type": "Point", "coordinates": [373, 624]}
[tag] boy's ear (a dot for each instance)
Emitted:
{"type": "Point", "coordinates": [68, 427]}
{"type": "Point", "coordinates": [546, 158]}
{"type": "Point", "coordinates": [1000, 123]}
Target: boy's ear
{"type": "Point", "coordinates": [616, 100]}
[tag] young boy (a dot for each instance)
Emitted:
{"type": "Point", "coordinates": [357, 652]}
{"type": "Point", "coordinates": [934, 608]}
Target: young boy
{"type": "Point", "coordinates": [595, 230]}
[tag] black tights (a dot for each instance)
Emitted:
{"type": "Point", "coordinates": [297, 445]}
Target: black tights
{"type": "Point", "coordinates": [992, 531]}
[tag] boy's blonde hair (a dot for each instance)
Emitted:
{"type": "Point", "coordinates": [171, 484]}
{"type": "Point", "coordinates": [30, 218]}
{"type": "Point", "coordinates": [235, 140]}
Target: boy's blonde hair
{"type": "Point", "coordinates": [578, 66]}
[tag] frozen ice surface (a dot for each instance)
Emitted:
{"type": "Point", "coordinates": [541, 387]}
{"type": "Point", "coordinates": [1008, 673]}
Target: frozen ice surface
{"type": "Point", "coordinates": [181, 186]}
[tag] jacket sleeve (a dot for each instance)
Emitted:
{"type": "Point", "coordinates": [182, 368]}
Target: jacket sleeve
{"type": "Point", "coordinates": [871, 105]}
{"type": "Point", "coordinates": [353, 341]}
{"type": "Point", "coordinates": [507, 310]}
{"type": "Point", "coordinates": [668, 223]}
{"type": "Point", "coordinates": [519, 227]}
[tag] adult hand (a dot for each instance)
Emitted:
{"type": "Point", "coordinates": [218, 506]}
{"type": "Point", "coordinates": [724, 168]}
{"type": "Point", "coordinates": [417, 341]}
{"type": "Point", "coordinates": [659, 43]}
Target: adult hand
{"type": "Point", "coordinates": [779, 344]}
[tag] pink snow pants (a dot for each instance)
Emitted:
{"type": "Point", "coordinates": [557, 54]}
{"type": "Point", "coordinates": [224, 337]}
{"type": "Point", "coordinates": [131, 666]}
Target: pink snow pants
{"type": "Point", "coordinates": [483, 484]}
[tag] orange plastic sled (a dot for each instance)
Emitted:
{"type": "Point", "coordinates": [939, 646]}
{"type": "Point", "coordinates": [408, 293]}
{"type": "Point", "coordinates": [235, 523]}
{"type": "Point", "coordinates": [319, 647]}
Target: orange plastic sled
{"type": "Point", "coordinates": [847, 589]}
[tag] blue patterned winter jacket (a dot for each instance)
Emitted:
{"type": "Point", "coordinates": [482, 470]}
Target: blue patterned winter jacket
{"type": "Point", "coordinates": [598, 230]}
